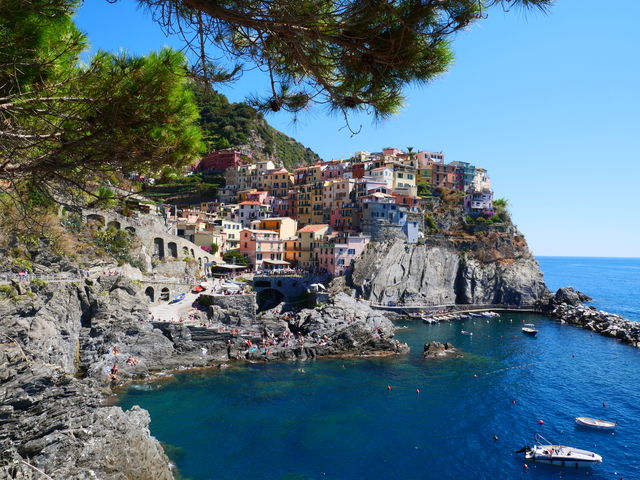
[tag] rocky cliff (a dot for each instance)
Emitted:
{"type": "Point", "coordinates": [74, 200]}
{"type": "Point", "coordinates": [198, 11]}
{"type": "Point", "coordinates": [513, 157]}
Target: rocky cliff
{"type": "Point", "coordinates": [445, 272]}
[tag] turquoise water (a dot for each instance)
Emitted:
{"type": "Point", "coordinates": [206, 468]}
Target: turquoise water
{"type": "Point", "coordinates": [338, 420]}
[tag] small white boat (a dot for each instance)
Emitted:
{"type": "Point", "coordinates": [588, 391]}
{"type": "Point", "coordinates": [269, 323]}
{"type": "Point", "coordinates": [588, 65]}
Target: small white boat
{"type": "Point", "coordinates": [595, 423]}
{"type": "Point", "coordinates": [559, 455]}
{"type": "Point", "coordinates": [529, 329]}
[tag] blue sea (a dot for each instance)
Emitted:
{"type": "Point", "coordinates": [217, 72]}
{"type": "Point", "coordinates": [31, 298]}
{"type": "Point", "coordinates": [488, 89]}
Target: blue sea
{"type": "Point", "coordinates": [337, 419]}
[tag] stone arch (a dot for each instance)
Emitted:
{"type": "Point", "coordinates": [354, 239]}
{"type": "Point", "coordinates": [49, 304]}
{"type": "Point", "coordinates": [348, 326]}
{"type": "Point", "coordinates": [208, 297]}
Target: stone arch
{"type": "Point", "coordinates": [96, 219]}
{"type": "Point", "coordinates": [114, 224]}
{"type": "Point", "coordinates": [269, 298]}
{"type": "Point", "coordinates": [173, 249]}
{"type": "Point", "coordinates": [131, 230]}
{"type": "Point", "coordinates": [158, 247]}
{"type": "Point", "coordinates": [185, 251]}
{"type": "Point", "coordinates": [149, 292]}
{"type": "Point", "coordinates": [165, 294]}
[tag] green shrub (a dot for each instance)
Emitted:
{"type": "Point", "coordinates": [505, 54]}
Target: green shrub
{"type": "Point", "coordinates": [235, 257]}
{"type": "Point", "coordinates": [7, 292]}
{"type": "Point", "coordinates": [23, 264]}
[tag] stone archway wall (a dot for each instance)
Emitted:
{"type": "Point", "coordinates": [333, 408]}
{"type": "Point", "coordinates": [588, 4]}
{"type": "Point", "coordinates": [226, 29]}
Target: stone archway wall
{"type": "Point", "coordinates": [173, 249]}
{"type": "Point", "coordinates": [148, 228]}
{"type": "Point", "coordinates": [150, 293]}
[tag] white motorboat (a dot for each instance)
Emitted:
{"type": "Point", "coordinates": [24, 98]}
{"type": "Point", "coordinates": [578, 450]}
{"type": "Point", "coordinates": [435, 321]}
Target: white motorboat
{"type": "Point", "coordinates": [559, 455]}
{"type": "Point", "coordinates": [595, 423]}
{"type": "Point", "coordinates": [529, 329]}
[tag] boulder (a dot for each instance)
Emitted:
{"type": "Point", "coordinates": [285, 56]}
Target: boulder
{"type": "Point", "coordinates": [435, 349]}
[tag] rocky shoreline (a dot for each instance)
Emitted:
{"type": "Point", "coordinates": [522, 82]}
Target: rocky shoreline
{"type": "Point", "coordinates": [567, 306]}
{"type": "Point", "coordinates": [59, 345]}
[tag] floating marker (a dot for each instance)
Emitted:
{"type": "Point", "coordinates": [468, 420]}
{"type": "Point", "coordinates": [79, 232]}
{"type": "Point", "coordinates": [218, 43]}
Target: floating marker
{"type": "Point", "coordinates": [388, 387]}
{"type": "Point", "coordinates": [417, 390]}
{"type": "Point", "coordinates": [604, 404]}
{"type": "Point", "coordinates": [541, 422]}
{"type": "Point", "coordinates": [513, 402]}
{"type": "Point", "coordinates": [525, 466]}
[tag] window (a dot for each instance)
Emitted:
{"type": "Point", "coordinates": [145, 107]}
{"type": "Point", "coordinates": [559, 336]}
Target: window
{"type": "Point", "coordinates": [351, 251]}
{"type": "Point", "coordinates": [258, 256]}
{"type": "Point", "coordinates": [409, 176]}
{"type": "Point", "coordinates": [341, 261]}
{"type": "Point", "coordinates": [400, 175]}
{"type": "Point", "coordinates": [245, 245]}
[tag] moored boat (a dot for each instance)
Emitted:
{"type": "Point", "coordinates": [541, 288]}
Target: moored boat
{"type": "Point", "coordinates": [529, 329]}
{"type": "Point", "coordinates": [595, 423]}
{"type": "Point", "coordinates": [559, 455]}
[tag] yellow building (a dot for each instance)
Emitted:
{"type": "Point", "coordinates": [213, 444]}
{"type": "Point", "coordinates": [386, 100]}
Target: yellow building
{"type": "Point", "coordinates": [425, 175]}
{"type": "Point", "coordinates": [301, 249]}
{"type": "Point", "coordinates": [302, 197]}
{"type": "Point", "coordinates": [308, 174]}
{"type": "Point", "coordinates": [277, 182]}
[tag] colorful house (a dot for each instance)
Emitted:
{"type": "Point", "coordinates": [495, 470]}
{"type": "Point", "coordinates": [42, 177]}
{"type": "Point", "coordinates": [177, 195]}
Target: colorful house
{"type": "Point", "coordinates": [285, 227]}
{"type": "Point", "coordinates": [479, 203]}
{"type": "Point", "coordinates": [262, 248]}
{"type": "Point", "coordinates": [338, 254]}
{"type": "Point", "coordinates": [382, 218]}
{"type": "Point", "coordinates": [220, 160]}
{"type": "Point", "coordinates": [251, 210]}
{"type": "Point", "coordinates": [301, 250]}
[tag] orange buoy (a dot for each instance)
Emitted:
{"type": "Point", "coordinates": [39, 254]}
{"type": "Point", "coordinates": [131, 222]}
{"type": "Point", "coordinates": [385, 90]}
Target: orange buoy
{"type": "Point", "coordinates": [525, 466]}
{"type": "Point", "coordinates": [541, 422]}
{"type": "Point", "coordinates": [388, 387]}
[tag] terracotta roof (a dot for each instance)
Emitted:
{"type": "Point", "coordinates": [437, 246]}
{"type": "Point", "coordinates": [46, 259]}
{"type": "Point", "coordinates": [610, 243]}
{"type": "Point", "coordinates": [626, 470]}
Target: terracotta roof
{"type": "Point", "coordinates": [250, 202]}
{"type": "Point", "coordinates": [313, 228]}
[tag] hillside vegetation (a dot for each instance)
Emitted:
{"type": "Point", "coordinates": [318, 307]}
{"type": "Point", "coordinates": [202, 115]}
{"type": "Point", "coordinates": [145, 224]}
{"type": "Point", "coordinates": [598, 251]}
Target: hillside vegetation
{"type": "Point", "coordinates": [227, 124]}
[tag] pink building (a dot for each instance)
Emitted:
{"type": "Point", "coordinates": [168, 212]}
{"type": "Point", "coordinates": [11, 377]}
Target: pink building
{"type": "Point", "coordinates": [263, 248]}
{"type": "Point", "coordinates": [337, 254]}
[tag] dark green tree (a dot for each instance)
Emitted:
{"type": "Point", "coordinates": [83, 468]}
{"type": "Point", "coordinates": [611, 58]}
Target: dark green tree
{"type": "Point", "coordinates": [65, 127]}
{"type": "Point", "coordinates": [347, 54]}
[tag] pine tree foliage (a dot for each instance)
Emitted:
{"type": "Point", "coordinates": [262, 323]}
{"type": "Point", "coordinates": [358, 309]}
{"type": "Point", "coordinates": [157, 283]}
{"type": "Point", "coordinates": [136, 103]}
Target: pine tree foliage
{"type": "Point", "coordinates": [66, 127]}
{"type": "Point", "coordinates": [347, 54]}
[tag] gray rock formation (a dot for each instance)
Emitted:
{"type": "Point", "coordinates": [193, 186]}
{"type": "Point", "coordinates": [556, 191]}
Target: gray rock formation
{"type": "Point", "coordinates": [570, 296]}
{"type": "Point", "coordinates": [443, 275]}
{"type": "Point", "coordinates": [436, 349]}
{"type": "Point", "coordinates": [566, 305]}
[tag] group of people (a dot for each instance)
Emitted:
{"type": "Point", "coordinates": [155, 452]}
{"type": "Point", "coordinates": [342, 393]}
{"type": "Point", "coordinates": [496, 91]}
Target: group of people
{"type": "Point", "coordinates": [112, 372]}
{"type": "Point", "coordinates": [283, 271]}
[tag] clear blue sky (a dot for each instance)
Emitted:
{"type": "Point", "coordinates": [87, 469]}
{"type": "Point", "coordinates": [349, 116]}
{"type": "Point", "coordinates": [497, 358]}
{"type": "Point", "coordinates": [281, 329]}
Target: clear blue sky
{"type": "Point", "coordinates": [549, 104]}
